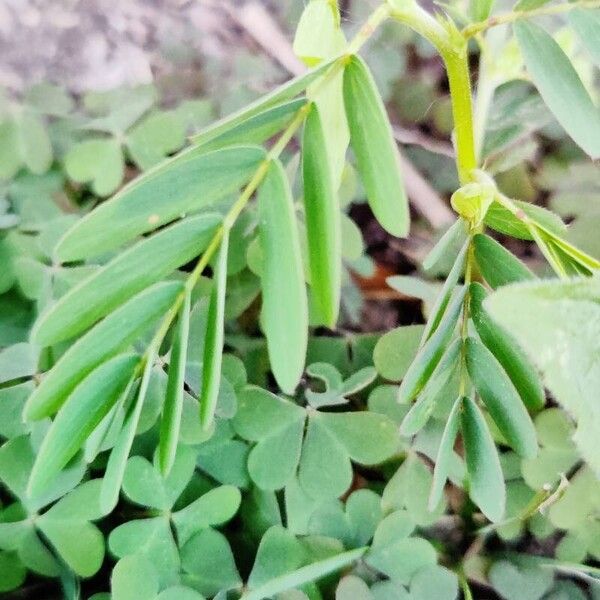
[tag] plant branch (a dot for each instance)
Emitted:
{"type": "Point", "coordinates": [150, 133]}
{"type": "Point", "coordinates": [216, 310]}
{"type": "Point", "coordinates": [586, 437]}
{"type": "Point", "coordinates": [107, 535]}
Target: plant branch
{"type": "Point", "coordinates": [510, 17]}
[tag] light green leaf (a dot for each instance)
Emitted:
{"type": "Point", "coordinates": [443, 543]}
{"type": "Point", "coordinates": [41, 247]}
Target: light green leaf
{"type": "Point", "coordinates": [375, 149]}
{"type": "Point", "coordinates": [157, 136]}
{"type": "Point", "coordinates": [586, 23]}
{"type": "Point", "coordinates": [479, 10]}
{"type": "Point", "coordinates": [323, 479]}
{"type": "Point", "coordinates": [117, 461]}
{"type": "Point", "coordinates": [520, 583]}
{"type": "Point", "coordinates": [215, 507]}
{"type": "Point", "coordinates": [434, 582]}
{"type": "Point", "coordinates": [213, 342]}
{"type": "Point", "coordinates": [505, 348]}
{"type": "Point", "coordinates": [441, 303]}
{"type": "Point", "coordinates": [98, 162]}
{"type": "Point", "coordinates": [209, 564]}
{"type": "Point", "coordinates": [501, 398]}
{"type": "Point", "coordinates": [277, 425]}
{"type": "Point", "coordinates": [134, 577]}
{"type": "Point", "coordinates": [368, 438]}
{"type": "Point", "coordinates": [396, 350]}
{"type": "Point", "coordinates": [397, 555]}
{"type": "Point", "coordinates": [498, 266]}
{"type": "Point", "coordinates": [303, 575]}
{"type": "Point", "coordinates": [557, 323]}
{"type": "Point", "coordinates": [560, 86]}
{"type": "Point", "coordinates": [171, 416]}
{"type": "Point", "coordinates": [18, 361]}
{"type": "Point", "coordinates": [146, 262]}
{"type": "Point", "coordinates": [85, 408]}
{"type": "Point", "coordinates": [151, 538]}
{"type": "Point", "coordinates": [453, 238]}
{"type": "Point", "coordinates": [352, 587]}
{"type": "Point", "coordinates": [190, 181]}
{"type": "Point", "coordinates": [486, 482]}
{"type": "Point", "coordinates": [285, 307]}
{"type": "Point", "coordinates": [323, 225]}
{"type": "Point", "coordinates": [431, 352]}
{"type": "Point", "coordinates": [504, 221]}
{"type": "Point", "coordinates": [108, 337]}
{"type": "Point", "coordinates": [318, 35]}
{"type": "Point", "coordinates": [80, 544]}
{"type": "Point", "coordinates": [256, 129]}
{"type": "Point", "coordinates": [433, 392]}
{"type": "Point", "coordinates": [34, 142]}
{"type": "Point", "coordinates": [445, 455]}
{"type": "Point", "coordinates": [285, 92]}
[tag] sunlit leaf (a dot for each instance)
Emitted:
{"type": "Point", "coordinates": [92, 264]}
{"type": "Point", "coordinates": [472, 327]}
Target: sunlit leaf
{"type": "Point", "coordinates": [285, 308]}
{"type": "Point", "coordinates": [375, 149]}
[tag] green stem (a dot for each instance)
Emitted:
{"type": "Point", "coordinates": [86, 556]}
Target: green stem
{"type": "Point", "coordinates": [454, 52]}
{"type": "Point", "coordinates": [377, 17]}
{"type": "Point", "coordinates": [510, 17]}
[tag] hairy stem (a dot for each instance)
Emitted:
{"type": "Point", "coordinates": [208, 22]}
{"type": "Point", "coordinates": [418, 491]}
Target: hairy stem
{"type": "Point", "coordinates": [510, 17]}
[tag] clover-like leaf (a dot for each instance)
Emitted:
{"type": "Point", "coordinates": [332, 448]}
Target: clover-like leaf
{"type": "Point", "coordinates": [336, 389]}
{"type": "Point", "coordinates": [395, 552]}
{"type": "Point", "coordinates": [514, 582]}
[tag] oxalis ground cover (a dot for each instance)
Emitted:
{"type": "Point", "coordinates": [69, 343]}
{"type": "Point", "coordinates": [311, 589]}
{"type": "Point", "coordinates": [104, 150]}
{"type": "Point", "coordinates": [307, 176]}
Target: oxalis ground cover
{"type": "Point", "coordinates": [268, 356]}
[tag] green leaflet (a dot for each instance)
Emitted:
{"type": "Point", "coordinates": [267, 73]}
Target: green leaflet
{"type": "Point", "coordinates": [117, 461]}
{"type": "Point", "coordinates": [431, 352]}
{"type": "Point", "coordinates": [556, 322]}
{"type": "Point", "coordinates": [108, 337]}
{"type": "Point", "coordinates": [258, 128]}
{"type": "Point", "coordinates": [497, 265]}
{"type": "Point", "coordinates": [422, 409]}
{"type": "Point", "coordinates": [85, 408]}
{"type": "Point", "coordinates": [486, 481]}
{"type": "Point", "coordinates": [303, 575]}
{"type": "Point", "coordinates": [171, 415]}
{"type": "Point", "coordinates": [454, 236]}
{"type": "Point", "coordinates": [285, 310]}
{"type": "Point", "coordinates": [191, 181]}
{"type": "Point", "coordinates": [503, 220]}
{"type": "Point", "coordinates": [560, 86]}
{"type": "Point", "coordinates": [501, 398]}
{"type": "Point", "coordinates": [444, 455]}
{"type": "Point", "coordinates": [323, 222]}
{"type": "Point", "coordinates": [148, 261]}
{"type": "Point", "coordinates": [505, 348]}
{"type": "Point", "coordinates": [586, 24]}
{"type": "Point", "coordinates": [375, 149]}
{"type": "Point", "coordinates": [480, 9]}
{"type": "Point", "coordinates": [213, 341]}
{"type": "Point", "coordinates": [441, 303]}
{"type": "Point", "coordinates": [285, 92]}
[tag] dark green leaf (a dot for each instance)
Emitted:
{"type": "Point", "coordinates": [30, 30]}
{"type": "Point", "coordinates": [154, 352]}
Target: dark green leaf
{"type": "Point", "coordinates": [445, 455]}
{"type": "Point", "coordinates": [505, 348]}
{"type": "Point", "coordinates": [431, 352]}
{"type": "Point", "coordinates": [323, 225]}
{"type": "Point", "coordinates": [148, 261]}
{"type": "Point", "coordinates": [213, 341]}
{"type": "Point", "coordinates": [171, 416]}
{"type": "Point", "coordinates": [375, 149]}
{"type": "Point", "coordinates": [560, 86]}
{"type": "Point", "coordinates": [85, 408]}
{"type": "Point", "coordinates": [186, 183]}
{"type": "Point", "coordinates": [285, 309]}
{"type": "Point", "coordinates": [501, 398]}
{"type": "Point", "coordinates": [486, 482]}
{"type": "Point", "coordinates": [498, 266]}
{"type": "Point", "coordinates": [110, 336]}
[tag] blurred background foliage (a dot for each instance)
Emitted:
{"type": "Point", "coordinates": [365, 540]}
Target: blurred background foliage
{"type": "Point", "coordinates": [95, 92]}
